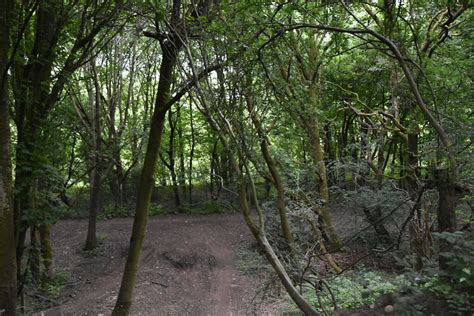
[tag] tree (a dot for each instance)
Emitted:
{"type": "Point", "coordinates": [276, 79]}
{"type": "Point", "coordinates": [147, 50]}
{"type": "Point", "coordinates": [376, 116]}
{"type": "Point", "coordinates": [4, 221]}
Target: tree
{"type": "Point", "coordinates": [8, 281]}
{"type": "Point", "coordinates": [40, 69]}
{"type": "Point", "coordinates": [96, 172]}
{"type": "Point", "coordinates": [171, 42]}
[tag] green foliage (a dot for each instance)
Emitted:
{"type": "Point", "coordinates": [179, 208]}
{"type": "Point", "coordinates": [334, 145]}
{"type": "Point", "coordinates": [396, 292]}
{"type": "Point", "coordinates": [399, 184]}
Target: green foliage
{"type": "Point", "coordinates": [362, 111]}
{"type": "Point", "coordinates": [456, 283]}
{"type": "Point", "coordinates": [208, 207]}
{"type": "Point", "coordinates": [385, 198]}
{"type": "Point", "coordinates": [53, 285]}
{"type": "Point", "coordinates": [97, 251]}
{"type": "Point", "coordinates": [110, 211]}
{"type": "Point", "coordinates": [155, 209]}
{"type": "Point", "coordinates": [357, 289]}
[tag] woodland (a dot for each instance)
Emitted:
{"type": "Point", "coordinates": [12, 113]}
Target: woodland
{"type": "Point", "coordinates": [213, 157]}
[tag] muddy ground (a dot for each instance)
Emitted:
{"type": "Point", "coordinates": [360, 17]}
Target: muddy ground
{"type": "Point", "coordinates": [189, 266]}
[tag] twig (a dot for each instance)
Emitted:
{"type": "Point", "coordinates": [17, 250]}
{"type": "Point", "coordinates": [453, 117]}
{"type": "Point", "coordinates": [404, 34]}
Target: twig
{"type": "Point", "coordinates": [158, 283]}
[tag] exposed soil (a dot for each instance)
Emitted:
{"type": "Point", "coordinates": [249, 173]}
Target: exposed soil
{"type": "Point", "coordinates": [188, 266]}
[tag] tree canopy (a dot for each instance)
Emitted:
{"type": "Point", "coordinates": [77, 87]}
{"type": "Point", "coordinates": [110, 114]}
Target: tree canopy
{"type": "Point", "coordinates": [282, 110]}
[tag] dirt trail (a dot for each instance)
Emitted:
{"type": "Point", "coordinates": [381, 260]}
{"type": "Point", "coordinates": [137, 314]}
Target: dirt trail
{"type": "Point", "coordinates": [188, 267]}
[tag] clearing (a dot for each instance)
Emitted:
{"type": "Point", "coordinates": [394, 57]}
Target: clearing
{"type": "Point", "coordinates": [189, 265]}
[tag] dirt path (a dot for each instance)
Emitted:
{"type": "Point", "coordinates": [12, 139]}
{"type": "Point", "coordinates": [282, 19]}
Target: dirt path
{"type": "Point", "coordinates": [188, 266]}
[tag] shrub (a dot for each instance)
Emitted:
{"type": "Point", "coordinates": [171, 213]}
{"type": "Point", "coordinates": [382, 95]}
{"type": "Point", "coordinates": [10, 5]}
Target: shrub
{"type": "Point", "coordinates": [356, 289]}
{"type": "Point", "coordinates": [53, 286]}
{"type": "Point", "coordinates": [208, 207]}
{"type": "Point", "coordinates": [110, 211]}
{"type": "Point", "coordinates": [456, 283]}
{"type": "Point", "coordinates": [155, 209]}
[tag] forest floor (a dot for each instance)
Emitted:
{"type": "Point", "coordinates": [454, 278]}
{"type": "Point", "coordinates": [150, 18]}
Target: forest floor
{"type": "Point", "coordinates": [189, 265]}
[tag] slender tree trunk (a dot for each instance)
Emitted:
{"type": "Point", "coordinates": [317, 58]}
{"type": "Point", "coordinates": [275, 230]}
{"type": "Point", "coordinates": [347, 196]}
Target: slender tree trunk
{"type": "Point", "coordinates": [213, 172]}
{"type": "Point", "coordinates": [8, 268]}
{"type": "Point", "coordinates": [182, 164]}
{"type": "Point", "coordinates": [46, 250]}
{"type": "Point", "coordinates": [95, 177]}
{"type": "Point", "coordinates": [448, 198]}
{"type": "Point", "coordinates": [447, 201]}
{"type": "Point", "coordinates": [258, 231]}
{"type": "Point", "coordinates": [380, 157]}
{"type": "Point", "coordinates": [374, 217]}
{"type": "Point", "coordinates": [275, 262]}
{"type": "Point", "coordinates": [35, 254]}
{"type": "Point", "coordinates": [412, 163]}
{"type": "Point", "coordinates": [174, 182]}
{"type": "Point", "coordinates": [281, 205]}
{"type": "Point", "coordinates": [125, 295]}
{"type": "Point", "coordinates": [277, 180]}
{"type": "Point", "coordinates": [318, 159]}
{"type": "Point", "coordinates": [331, 153]}
{"type": "Point", "coordinates": [191, 156]}
{"type": "Point", "coordinates": [91, 240]}
{"type": "Point", "coordinates": [22, 191]}
{"type": "Point", "coordinates": [118, 181]}
{"type": "Point", "coordinates": [172, 161]}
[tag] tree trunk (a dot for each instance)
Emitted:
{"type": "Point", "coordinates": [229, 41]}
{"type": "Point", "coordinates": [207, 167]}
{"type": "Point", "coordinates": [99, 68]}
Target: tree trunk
{"type": "Point", "coordinates": [258, 231]}
{"type": "Point", "coordinates": [46, 250]}
{"type": "Point", "coordinates": [172, 161]}
{"type": "Point", "coordinates": [125, 295]}
{"type": "Point", "coordinates": [182, 164]}
{"type": "Point", "coordinates": [91, 240]}
{"type": "Point", "coordinates": [271, 165]}
{"type": "Point", "coordinates": [191, 156]}
{"type": "Point", "coordinates": [374, 217]}
{"type": "Point", "coordinates": [8, 268]}
{"type": "Point", "coordinates": [119, 179]}
{"type": "Point", "coordinates": [448, 198]}
{"type": "Point", "coordinates": [281, 205]}
{"type": "Point", "coordinates": [213, 172]}
{"type": "Point", "coordinates": [275, 262]}
{"type": "Point", "coordinates": [447, 201]}
{"type": "Point", "coordinates": [95, 177]}
{"type": "Point", "coordinates": [331, 153]}
{"type": "Point", "coordinates": [318, 160]}
{"type": "Point", "coordinates": [23, 189]}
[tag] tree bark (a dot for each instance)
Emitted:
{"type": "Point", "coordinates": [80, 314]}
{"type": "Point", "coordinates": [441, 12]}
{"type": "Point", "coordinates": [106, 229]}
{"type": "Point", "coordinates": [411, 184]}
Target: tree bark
{"type": "Point", "coordinates": [46, 250]}
{"type": "Point", "coordinates": [318, 160]}
{"type": "Point", "coordinates": [35, 254]}
{"type": "Point", "coordinates": [171, 164]}
{"type": "Point", "coordinates": [258, 231]}
{"type": "Point", "coordinates": [39, 79]}
{"type": "Point", "coordinates": [191, 155]}
{"type": "Point", "coordinates": [124, 299]}
{"type": "Point", "coordinates": [95, 177]}
{"type": "Point", "coordinates": [8, 268]}
{"type": "Point", "coordinates": [271, 165]}
{"type": "Point", "coordinates": [182, 164]}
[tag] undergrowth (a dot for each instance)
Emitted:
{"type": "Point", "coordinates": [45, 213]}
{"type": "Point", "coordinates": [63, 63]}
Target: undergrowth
{"type": "Point", "coordinates": [251, 261]}
{"type": "Point", "coordinates": [208, 207]}
{"type": "Point", "coordinates": [54, 285]}
{"type": "Point", "coordinates": [353, 289]}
